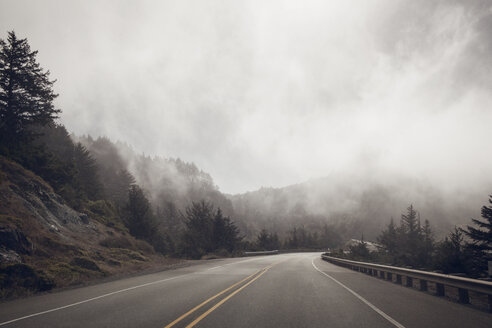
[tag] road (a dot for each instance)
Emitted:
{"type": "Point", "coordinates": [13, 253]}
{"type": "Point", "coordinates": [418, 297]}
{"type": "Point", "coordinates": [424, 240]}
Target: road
{"type": "Point", "coordinates": [287, 290]}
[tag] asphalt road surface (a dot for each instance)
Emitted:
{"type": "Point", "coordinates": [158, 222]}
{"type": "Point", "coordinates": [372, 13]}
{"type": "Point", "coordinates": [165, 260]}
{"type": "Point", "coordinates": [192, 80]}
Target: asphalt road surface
{"type": "Point", "coordinates": [288, 290]}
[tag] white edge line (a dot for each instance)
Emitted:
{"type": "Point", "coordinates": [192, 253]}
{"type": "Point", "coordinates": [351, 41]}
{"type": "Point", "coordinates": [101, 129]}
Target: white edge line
{"type": "Point", "coordinates": [109, 294]}
{"type": "Point", "coordinates": [381, 313]}
{"type": "Point", "coordinates": [113, 293]}
{"type": "Point", "coordinates": [91, 299]}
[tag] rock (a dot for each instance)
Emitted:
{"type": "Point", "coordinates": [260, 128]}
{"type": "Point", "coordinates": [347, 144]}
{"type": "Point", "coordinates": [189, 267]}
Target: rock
{"type": "Point", "coordinates": [53, 228]}
{"type": "Point", "coordinates": [13, 239]}
{"type": "Point", "coordinates": [84, 218]}
{"type": "Point", "coordinates": [9, 257]}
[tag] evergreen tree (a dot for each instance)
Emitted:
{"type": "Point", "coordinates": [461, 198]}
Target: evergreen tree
{"type": "Point", "coordinates": [197, 238]}
{"type": "Point", "coordinates": [267, 241]}
{"type": "Point", "coordinates": [263, 240]}
{"type": "Point", "coordinates": [426, 246]}
{"type": "Point", "coordinates": [87, 173]}
{"type": "Point", "coordinates": [409, 237]}
{"type": "Point", "coordinates": [117, 184]}
{"type": "Point", "coordinates": [409, 222]}
{"type": "Point", "coordinates": [26, 93]}
{"type": "Point", "coordinates": [225, 233]}
{"type": "Point", "coordinates": [169, 218]}
{"type": "Point", "coordinates": [480, 244]}
{"type": "Point", "coordinates": [138, 216]}
{"type": "Point", "coordinates": [481, 236]}
{"type": "Point", "coordinates": [388, 238]}
{"type": "Point", "coordinates": [450, 256]}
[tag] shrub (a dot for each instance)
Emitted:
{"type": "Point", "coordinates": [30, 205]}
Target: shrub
{"type": "Point", "coordinates": [22, 275]}
{"type": "Point", "coordinates": [116, 242]}
{"type": "Point", "coordinates": [85, 263]}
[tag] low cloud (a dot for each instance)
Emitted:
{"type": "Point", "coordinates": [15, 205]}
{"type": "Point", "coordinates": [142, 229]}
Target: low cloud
{"type": "Point", "coordinates": [273, 93]}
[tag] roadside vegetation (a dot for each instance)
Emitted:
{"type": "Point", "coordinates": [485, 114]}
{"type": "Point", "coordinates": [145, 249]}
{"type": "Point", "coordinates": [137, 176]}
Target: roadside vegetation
{"type": "Point", "coordinates": [463, 251]}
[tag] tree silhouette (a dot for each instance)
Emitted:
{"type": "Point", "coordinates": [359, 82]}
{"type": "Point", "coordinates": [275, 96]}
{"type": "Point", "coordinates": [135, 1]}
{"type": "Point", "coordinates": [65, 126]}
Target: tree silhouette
{"type": "Point", "coordinates": [225, 234]}
{"type": "Point", "coordinates": [138, 216]}
{"type": "Point", "coordinates": [26, 92]}
{"type": "Point", "coordinates": [480, 244]}
{"type": "Point", "coordinates": [481, 237]}
{"type": "Point", "coordinates": [388, 238]}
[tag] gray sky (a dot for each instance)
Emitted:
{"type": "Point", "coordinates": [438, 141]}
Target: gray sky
{"type": "Point", "coordinates": [270, 93]}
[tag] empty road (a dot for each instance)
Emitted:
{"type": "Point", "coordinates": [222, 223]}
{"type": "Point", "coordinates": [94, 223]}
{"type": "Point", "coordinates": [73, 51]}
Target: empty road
{"type": "Point", "coordinates": [288, 290]}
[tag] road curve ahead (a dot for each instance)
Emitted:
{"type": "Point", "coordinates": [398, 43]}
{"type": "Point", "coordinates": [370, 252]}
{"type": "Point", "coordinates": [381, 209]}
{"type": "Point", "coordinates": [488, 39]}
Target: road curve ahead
{"type": "Point", "coordinates": [288, 290]}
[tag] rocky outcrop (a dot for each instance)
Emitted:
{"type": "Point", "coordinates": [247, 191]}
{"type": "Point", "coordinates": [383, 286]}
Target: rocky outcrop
{"type": "Point", "coordinates": [45, 243]}
{"type": "Point", "coordinates": [23, 193]}
{"type": "Point", "coordinates": [9, 256]}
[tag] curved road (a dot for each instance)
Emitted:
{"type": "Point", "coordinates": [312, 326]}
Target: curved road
{"type": "Point", "coordinates": [288, 290]}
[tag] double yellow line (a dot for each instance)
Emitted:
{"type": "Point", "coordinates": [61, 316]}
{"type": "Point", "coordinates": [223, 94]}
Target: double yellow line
{"type": "Point", "coordinates": [256, 275]}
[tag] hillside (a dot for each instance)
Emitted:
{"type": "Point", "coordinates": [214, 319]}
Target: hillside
{"type": "Point", "coordinates": [165, 180]}
{"type": "Point", "coordinates": [355, 205]}
{"type": "Point", "coordinates": [351, 205]}
{"type": "Point", "coordinates": [44, 243]}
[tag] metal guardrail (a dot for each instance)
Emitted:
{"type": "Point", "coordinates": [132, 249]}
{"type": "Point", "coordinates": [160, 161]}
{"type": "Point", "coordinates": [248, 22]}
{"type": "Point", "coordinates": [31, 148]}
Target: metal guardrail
{"type": "Point", "coordinates": [261, 253]}
{"type": "Point", "coordinates": [464, 285]}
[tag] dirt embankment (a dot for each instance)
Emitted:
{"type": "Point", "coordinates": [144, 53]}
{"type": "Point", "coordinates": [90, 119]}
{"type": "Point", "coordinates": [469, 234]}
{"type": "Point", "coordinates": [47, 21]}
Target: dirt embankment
{"type": "Point", "coordinates": [45, 244]}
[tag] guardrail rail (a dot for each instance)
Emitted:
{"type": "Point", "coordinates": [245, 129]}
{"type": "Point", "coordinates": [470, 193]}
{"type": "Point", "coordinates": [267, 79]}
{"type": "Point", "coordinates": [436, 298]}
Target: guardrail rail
{"type": "Point", "coordinates": [439, 280]}
{"type": "Point", "coordinates": [260, 253]}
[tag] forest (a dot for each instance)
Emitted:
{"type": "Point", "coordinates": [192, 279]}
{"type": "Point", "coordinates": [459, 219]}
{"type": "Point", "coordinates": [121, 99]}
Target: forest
{"type": "Point", "coordinates": [464, 251]}
{"type": "Point", "coordinates": [176, 207]}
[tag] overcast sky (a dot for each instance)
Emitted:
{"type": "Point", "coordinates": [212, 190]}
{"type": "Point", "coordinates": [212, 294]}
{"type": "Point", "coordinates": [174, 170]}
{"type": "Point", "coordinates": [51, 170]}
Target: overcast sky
{"type": "Point", "coordinates": [270, 93]}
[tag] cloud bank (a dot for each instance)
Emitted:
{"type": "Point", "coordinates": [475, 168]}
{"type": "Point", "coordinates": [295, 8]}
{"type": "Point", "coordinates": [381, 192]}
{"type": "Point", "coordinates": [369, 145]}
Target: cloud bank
{"type": "Point", "coordinates": [270, 93]}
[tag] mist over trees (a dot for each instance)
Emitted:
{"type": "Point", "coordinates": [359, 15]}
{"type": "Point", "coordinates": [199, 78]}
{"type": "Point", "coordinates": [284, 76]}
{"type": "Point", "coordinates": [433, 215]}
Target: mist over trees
{"type": "Point", "coordinates": [354, 204]}
{"type": "Point", "coordinates": [176, 209]}
{"type": "Point", "coordinates": [463, 251]}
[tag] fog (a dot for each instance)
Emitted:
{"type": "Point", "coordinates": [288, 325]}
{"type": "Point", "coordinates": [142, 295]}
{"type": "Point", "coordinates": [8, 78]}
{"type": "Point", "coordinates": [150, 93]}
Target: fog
{"type": "Point", "coordinates": [272, 93]}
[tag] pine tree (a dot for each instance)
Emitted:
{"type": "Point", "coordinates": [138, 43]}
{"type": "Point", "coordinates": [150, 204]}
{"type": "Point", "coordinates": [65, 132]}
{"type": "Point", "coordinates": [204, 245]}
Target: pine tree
{"type": "Point", "coordinates": [263, 240]}
{"type": "Point", "coordinates": [410, 221]}
{"type": "Point", "coordinates": [481, 237]}
{"type": "Point", "coordinates": [138, 216]}
{"type": "Point", "coordinates": [426, 245]}
{"type": "Point", "coordinates": [225, 234]}
{"type": "Point", "coordinates": [87, 172]}
{"type": "Point", "coordinates": [26, 92]}
{"type": "Point", "coordinates": [450, 255]}
{"type": "Point", "coordinates": [197, 238]}
{"type": "Point", "coordinates": [388, 238]}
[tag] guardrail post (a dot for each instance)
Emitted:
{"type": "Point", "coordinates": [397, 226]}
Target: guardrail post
{"type": "Point", "coordinates": [439, 289]}
{"type": "Point", "coordinates": [423, 285]}
{"type": "Point", "coordinates": [381, 274]}
{"type": "Point", "coordinates": [409, 282]}
{"type": "Point", "coordinates": [398, 279]}
{"type": "Point", "coordinates": [389, 276]}
{"type": "Point", "coordinates": [463, 296]}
